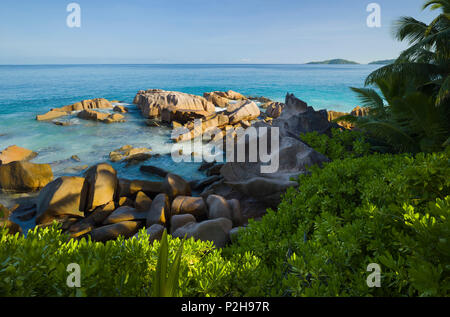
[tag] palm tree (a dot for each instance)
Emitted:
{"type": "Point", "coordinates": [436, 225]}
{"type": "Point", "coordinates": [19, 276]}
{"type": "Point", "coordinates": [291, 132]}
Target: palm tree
{"type": "Point", "coordinates": [427, 60]}
{"type": "Point", "coordinates": [401, 119]}
{"type": "Point", "coordinates": [412, 113]}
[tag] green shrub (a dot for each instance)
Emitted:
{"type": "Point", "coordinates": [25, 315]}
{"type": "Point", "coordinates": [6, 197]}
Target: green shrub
{"type": "Point", "coordinates": [36, 266]}
{"type": "Point", "coordinates": [384, 209]}
{"type": "Point", "coordinates": [341, 144]}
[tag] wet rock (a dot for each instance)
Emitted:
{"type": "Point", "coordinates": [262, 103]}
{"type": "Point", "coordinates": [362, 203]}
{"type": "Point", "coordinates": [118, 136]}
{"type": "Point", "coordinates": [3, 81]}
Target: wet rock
{"type": "Point", "coordinates": [214, 170]}
{"type": "Point", "coordinates": [101, 184]}
{"type": "Point", "coordinates": [101, 117]}
{"type": "Point", "coordinates": [216, 230]}
{"type": "Point", "coordinates": [128, 153]}
{"type": "Point", "coordinates": [160, 211]}
{"type": "Point", "coordinates": [189, 205]}
{"type": "Point", "coordinates": [60, 198]}
{"type": "Point", "coordinates": [200, 185]}
{"type": "Point", "coordinates": [98, 103]}
{"type": "Point", "coordinates": [126, 229]}
{"type": "Point", "coordinates": [149, 169]}
{"type": "Point", "coordinates": [120, 109]}
{"type": "Point", "coordinates": [15, 153]}
{"type": "Point", "coordinates": [24, 176]}
{"type": "Point", "coordinates": [51, 115]}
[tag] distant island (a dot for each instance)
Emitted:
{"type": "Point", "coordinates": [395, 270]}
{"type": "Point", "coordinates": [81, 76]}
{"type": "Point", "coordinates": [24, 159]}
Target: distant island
{"type": "Point", "coordinates": [383, 62]}
{"type": "Point", "coordinates": [334, 62]}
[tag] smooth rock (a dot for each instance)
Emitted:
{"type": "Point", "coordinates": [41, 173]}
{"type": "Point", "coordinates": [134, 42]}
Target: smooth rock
{"type": "Point", "coordinates": [125, 214]}
{"type": "Point", "coordinates": [179, 221]}
{"type": "Point", "coordinates": [218, 207]}
{"type": "Point", "coordinates": [128, 188]}
{"type": "Point", "coordinates": [101, 182]}
{"type": "Point", "coordinates": [24, 176]}
{"type": "Point", "coordinates": [160, 211]}
{"type": "Point", "coordinates": [153, 101]}
{"type": "Point", "coordinates": [149, 169]}
{"type": "Point", "coordinates": [142, 202]}
{"type": "Point", "coordinates": [189, 205]}
{"type": "Point", "coordinates": [175, 185]}
{"type": "Point", "coordinates": [59, 199]}
{"type": "Point", "coordinates": [15, 153]}
{"type": "Point", "coordinates": [216, 230]}
{"type": "Point", "coordinates": [126, 229]}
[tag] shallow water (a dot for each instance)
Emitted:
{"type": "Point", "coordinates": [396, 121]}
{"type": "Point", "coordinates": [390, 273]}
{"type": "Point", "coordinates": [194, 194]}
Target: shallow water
{"type": "Point", "coordinates": [26, 91]}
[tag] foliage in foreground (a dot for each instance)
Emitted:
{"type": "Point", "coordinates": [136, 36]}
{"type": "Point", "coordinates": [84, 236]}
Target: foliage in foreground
{"type": "Point", "coordinates": [392, 210]}
{"type": "Point", "coordinates": [384, 209]}
{"type": "Point", "coordinates": [36, 266]}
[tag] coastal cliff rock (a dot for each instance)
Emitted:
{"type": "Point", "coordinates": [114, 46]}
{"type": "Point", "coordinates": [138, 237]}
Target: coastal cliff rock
{"type": "Point", "coordinates": [98, 103]}
{"type": "Point", "coordinates": [24, 176]}
{"type": "Point", "coordinates": [256, 190]}
{"type": "Point", "coordinates": [153, 101]}
{"type": "Point", "coordinates": [62, 197]}
{"type": "Point", "coordinates": [16, 153]}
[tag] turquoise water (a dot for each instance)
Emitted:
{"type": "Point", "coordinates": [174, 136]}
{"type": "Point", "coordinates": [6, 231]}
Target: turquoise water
{"type": "Point", "coordinates": [26, 91]}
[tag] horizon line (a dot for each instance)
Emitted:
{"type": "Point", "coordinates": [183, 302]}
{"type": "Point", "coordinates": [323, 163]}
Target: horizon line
{"type": "Point", "coordinates": [108, 64]}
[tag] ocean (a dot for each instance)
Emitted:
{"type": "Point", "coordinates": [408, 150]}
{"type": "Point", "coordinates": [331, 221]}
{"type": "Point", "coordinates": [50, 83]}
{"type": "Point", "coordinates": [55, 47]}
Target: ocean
{"type": "Point", "coordinates": [26, 91]}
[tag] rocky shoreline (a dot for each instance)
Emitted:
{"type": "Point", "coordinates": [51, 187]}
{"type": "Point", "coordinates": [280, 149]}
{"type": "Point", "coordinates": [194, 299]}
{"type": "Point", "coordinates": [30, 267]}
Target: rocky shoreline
{"type": "Point", "coordinates": [103, 206]}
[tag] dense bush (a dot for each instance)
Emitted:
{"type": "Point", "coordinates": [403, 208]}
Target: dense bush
{"type": "Point", "coordinates": [36, 266]}
{"type": "Point", "coordinates": [384, 209]}
{"type": "Point", "coordinates": [342, 143]}
{"type": "Point", "coordinates": [392, 210]}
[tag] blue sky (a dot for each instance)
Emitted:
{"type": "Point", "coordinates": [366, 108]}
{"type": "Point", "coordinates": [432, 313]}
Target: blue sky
{"type": "Point", "coordinates": [199, 31]}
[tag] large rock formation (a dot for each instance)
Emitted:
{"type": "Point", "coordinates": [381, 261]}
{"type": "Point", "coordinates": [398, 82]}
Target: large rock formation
{"type": "Point", "coordinates": [242, 110]}
{"type": "Point", "coordinates": [216, 230]}
{"type": "Point", "coordinates": [16, 153]}
{"type": "Point", "coordinates": [98, 103]}
{"type": "Point", "coordinates": [246, 181]}
{"type": "Point", "coordinates": [274, 109]}
{"type": "Point", "coordinates": [24, 176]}
{"type": "Point", "coordinates": [153, 101]}
{"type": "Point", "coordinates": [60, 198]}
{"type": "Point", "coordinates": [100, 116]}
{"type": "Point", "coordinates": [101, 184]}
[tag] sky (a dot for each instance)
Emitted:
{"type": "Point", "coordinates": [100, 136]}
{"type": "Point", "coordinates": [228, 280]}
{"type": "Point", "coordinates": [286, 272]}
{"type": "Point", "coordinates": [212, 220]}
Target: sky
{"type": "Point", "coordinates": [200, 31]}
